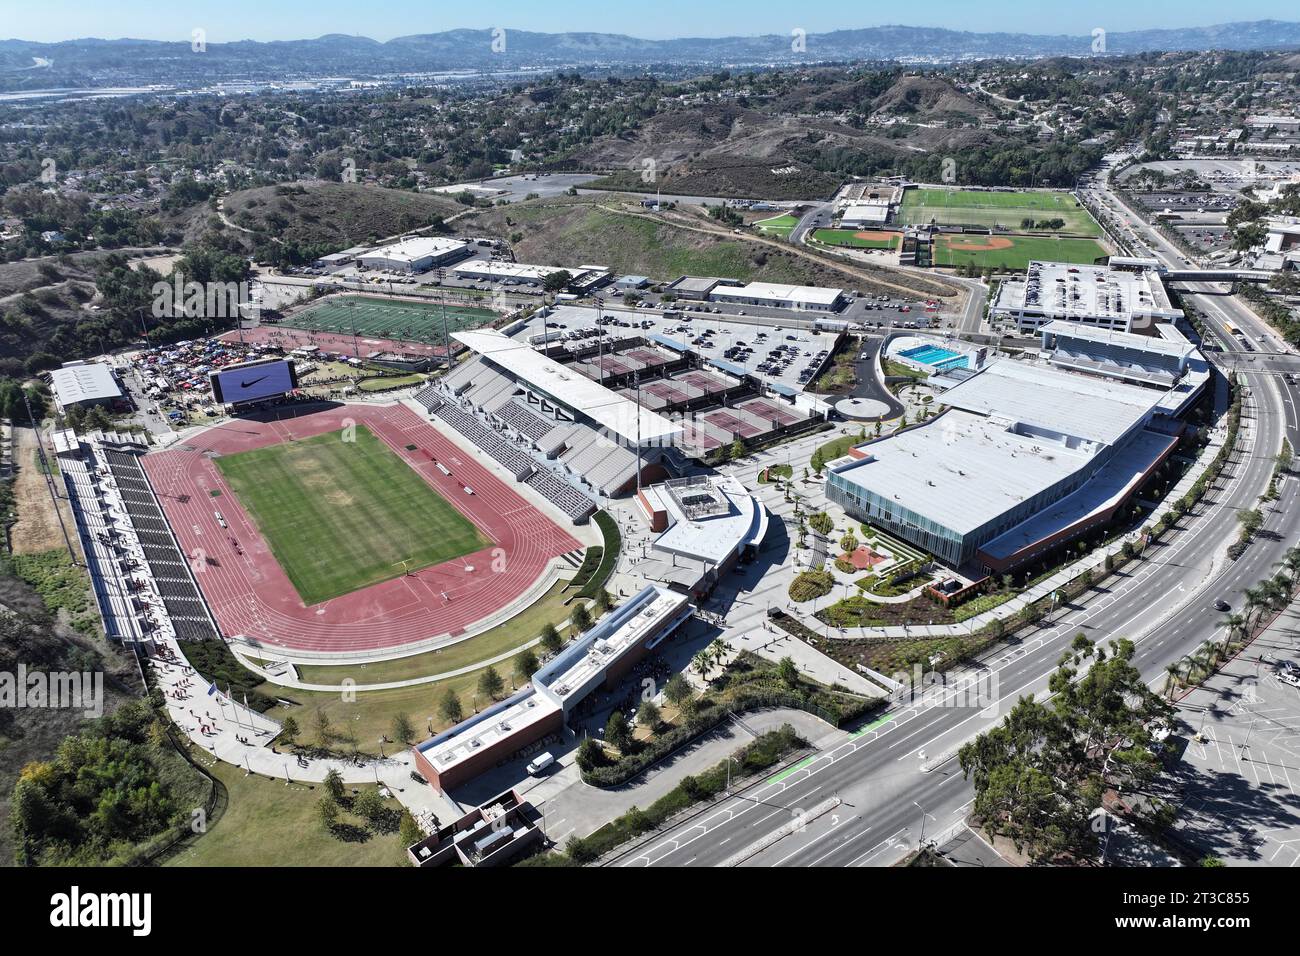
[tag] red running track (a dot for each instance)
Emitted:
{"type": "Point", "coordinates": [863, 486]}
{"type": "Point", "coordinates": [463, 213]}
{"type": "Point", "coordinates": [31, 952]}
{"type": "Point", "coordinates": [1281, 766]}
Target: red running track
{"type": "Point", "coordinates": [251, 596]}
{"type": "Point", "coordinates": [286, 338]}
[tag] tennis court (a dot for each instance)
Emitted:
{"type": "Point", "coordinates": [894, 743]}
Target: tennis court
{"type": "Point", "coordinates": [397, 319]}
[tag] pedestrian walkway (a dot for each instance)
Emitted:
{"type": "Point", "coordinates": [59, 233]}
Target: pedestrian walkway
{"type": "Point", "coordinates": [227, 729]}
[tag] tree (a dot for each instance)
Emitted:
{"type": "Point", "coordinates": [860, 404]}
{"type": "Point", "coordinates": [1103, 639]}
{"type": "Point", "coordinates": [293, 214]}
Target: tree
{"type": "Point", "coordinates": [525, 666]}
{"type": "Point", "coordinates": [551, 640]}
{"type": "Point", "coordinates": [408, 831]}
{"type": "Point", "coordinates": [449, 707]}
{"type": "Point", "coordinates": [403, 731]}
{"type": "Point", "coordinates": [580, 618]}
{"type": "Point", "coordinates": [490, 683]}
{"type": "Point", "coordinates": [678, 691]}
{"type": "Point", "coordinates": [328, 813]}
{"type": "Point", "coordinates": [788, 672]}
{"type": "Point", "coordinates": [649, 715]}
{"type": "Point", "coordinates": [618, 732]}
{"type": "Point", "coordinates": [557, 281]}
{"type": "Point", "coordinates": [590, 755]}
{"type": "Point", "coordinates": [737, 450]}
{"type": "Point", "coordinates": [289, 730]}
{"type": "Point", "coordinates": [1041, 773]}
{"type": "Point", "coordinates": [324, 730]}
{"type": "Point", "coordinates": [334, 785]}
{"type": "Point", "coordinates": [369, 805]}
{"type": "Point", "coordinates": [603, 601]}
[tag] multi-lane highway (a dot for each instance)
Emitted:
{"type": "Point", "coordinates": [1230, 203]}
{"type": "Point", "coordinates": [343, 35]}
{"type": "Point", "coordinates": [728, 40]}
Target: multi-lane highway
{"type": "Point", "coordinates": [869, 800]}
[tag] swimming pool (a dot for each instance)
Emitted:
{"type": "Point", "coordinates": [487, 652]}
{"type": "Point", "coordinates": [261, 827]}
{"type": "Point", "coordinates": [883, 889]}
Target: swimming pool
{"type": "Point", "coordinates": [936, 357]}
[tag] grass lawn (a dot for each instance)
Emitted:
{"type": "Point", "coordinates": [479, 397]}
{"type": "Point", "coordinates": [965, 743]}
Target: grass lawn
{"type": "Point", "coordinates": [269, 824]}
{"type": "Point", "coordinates": [850, 237]}
{"type": "Point", "coordinates": [516, 632]}
{"type": "Point", "coordinates": [1016, 251]}
{"type": "Point", "coordinates": [387, 318]}
{"type": "Point", "coordinates": [778, 225]}
{"type": "Point", "coordinates": [971, 207]}
{"type": "Point", "coordinates": [343, 515]}
{"type": "Point", "coordinates": [389, 381]}
{"type": "Point", "coordinates": [838, 447]}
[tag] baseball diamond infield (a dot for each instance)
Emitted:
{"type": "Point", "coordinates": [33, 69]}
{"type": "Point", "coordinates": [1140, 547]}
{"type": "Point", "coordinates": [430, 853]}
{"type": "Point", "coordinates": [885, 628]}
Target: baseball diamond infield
{"type": "Point", "coordinates": [251, 594]}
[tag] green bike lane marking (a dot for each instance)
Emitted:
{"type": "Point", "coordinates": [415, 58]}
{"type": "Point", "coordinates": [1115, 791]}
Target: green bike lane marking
{"type": "Point", "coordinates": [777, 778]}
{"type": "Point", "coordinates": [873, 725]}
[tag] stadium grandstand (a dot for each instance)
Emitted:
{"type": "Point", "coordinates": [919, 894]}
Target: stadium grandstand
{"type": "Point", "coordinates": [142, 580]}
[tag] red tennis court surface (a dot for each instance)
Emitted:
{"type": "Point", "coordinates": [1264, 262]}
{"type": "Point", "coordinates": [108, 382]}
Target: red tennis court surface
{"type": "Point", "coordinates": [732, 424]}
{"type": "Point", "coordinates": [252, 597]}
{"type": "Point", "coordinates": [287, 339]}
{"type": "Point", "coordinates": [768, 411]}
{"type": "Point", "coordinates": [647, 357]}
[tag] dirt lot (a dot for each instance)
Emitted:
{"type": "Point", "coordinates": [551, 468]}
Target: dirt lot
{"type": "Point", "coordinates": [37, 528]}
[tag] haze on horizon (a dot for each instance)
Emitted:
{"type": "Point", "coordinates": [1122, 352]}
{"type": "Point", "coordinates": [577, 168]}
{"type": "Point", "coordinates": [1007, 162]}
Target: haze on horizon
{"type": "Point", "coordinates": [58, 20]}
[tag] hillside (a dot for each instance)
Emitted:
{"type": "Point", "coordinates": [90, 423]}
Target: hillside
{"type": "Point", "coordinates": [613, 232]}
{"type": "Point", "coordinates": [327, 216]}
{"type": "Point", "coordinates": [802, 144]}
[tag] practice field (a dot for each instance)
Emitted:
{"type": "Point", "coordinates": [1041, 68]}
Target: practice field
{"type": "Point", "coordinates": [396, 319]}
{"type": "Point", "coordinates": [969, 207]}
{"type": "Point", "coordinates": [778, 225]}
{"type": "Point", "coordinates": [857, 238]}
{"type": "Point", "coordinates": [342, 515]}
{"type": "Point", "coordinates": [1012, 252]}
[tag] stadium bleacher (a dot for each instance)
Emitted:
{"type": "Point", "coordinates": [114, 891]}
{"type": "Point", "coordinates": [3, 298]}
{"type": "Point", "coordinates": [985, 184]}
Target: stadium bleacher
{"type": "Point", "coordinates": [167, 564]}
{"type": "Point", "coordinates": [567, 498]}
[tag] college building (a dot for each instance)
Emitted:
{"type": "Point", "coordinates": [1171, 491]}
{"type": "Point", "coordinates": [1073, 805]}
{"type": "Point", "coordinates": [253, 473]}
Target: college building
{"type": "Point", "coordinates": [1109, 297]}
{"type": "Point", "coordinates": [1027, 455]}
{"type": "Point", "coordinates": [599, 658]}
{"type": "Point", "coordinates": [415, 254]}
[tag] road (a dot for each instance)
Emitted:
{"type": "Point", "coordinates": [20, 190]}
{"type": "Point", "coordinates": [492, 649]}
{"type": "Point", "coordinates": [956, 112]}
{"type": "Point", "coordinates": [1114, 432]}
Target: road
{"type": "Point", "coordinates": [892, 781]}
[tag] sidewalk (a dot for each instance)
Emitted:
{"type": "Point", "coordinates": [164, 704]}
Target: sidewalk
{"type": "Point", "coordinates": [227, 730]}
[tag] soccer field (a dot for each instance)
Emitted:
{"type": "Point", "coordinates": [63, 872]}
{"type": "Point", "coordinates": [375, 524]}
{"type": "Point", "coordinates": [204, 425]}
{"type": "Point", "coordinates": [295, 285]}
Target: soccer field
{"type": "Point", "coordinates": [342, 515]}
{"type": "Point", "coordinates": [1012, 252]}
{"type": "Point", "coordinates": [857, 238]}
{"type": "Point", "coordinates": [387, 318]}
{"type": "Point", "coordinates": [969, 207]}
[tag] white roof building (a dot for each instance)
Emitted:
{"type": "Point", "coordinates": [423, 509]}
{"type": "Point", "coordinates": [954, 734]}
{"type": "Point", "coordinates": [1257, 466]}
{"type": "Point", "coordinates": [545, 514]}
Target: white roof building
{"type": "Point", "coordinates": [415, 254]}
{"type": "Point", "coordinates": [779, 296]}
{"type": "Point", "coordinates": [615, 413]}
{"type": "Point", "coordinates": [1107, 297]}
{"type": "Point", "coordinates": [84, 383]}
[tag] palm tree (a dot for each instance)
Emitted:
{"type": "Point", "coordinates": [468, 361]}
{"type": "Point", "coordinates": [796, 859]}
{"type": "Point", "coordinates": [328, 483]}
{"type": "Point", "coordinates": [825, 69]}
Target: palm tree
{"type": "Point", "coordinates": [1291, 564]}
{"type": "Point", "coordinates": [1173, 672]}
{"type": "Point", "coordinates": [1234, 625]}
{"type": "Point", "coordinates": [1254, 602]}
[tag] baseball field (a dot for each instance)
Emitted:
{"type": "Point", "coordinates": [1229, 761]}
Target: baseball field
{"type": "Point", "coordinates": [995, 208]}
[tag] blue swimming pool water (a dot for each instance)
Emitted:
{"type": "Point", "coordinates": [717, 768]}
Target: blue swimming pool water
{"type": "Point", "coordinates": [933, 355]}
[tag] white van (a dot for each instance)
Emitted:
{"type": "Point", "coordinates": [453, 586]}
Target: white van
{"type": "Point", "coordinates": [540, 763]}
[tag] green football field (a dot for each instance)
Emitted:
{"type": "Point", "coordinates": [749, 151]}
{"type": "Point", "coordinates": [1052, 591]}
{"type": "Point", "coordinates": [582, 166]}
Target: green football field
{"type": "Point", "coordinates": [1015, 252]}
{"type": "Point", "coordinates": [854, 238]}
{"type": "Point", "coordinates": [387, 318]}
{"type": "Point", "coordinates": [778, 225]}
{"type": "Point", "coordinates": [342, 515]}
{"type": "Point", "coordinates": [970, 207]}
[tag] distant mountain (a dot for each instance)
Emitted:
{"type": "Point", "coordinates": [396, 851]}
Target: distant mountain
{"type": "Point", "coordinates": [97, 63]}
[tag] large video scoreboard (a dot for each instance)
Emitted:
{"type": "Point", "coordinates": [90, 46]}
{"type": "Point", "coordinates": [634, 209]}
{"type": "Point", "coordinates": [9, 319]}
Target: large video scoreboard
{"type": "Point", "coordinates": [253, 381]}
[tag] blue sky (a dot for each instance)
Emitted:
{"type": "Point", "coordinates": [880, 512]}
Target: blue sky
{"type": "Point", "coordinates": [50, 20]}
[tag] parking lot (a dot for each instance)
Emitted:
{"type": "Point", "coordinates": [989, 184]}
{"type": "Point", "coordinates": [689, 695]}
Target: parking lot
{"type": "Point", "coordinates": [786, 354]}
{"type": "Point", "coordinates": [1237, 779]}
